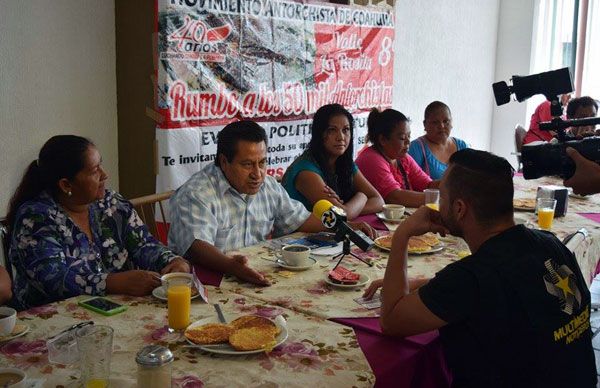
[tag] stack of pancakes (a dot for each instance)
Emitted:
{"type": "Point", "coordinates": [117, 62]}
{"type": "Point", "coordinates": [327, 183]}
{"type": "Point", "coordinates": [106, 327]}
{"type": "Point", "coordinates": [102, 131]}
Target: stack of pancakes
{"type": "Point", "coordinates": [416, 244]}
{"type": "Point", "coordinates": [422, 243]}
{"type": "Point", "coordinates": [524, 203]}
{"type": "Point", "coordinates": [249, 332]}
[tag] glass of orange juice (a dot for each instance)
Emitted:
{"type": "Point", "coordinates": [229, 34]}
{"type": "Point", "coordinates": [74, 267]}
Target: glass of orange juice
{"type": "Point", "coordinates": [179, 293]}
{"type": "Point", "coordinates": [545, 210]}
{"type": "Point", "coordinates": [432, 199]}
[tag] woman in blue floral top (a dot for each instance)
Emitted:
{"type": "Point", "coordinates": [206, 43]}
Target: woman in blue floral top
{"type": "Point", "coordinates": [71, 236]}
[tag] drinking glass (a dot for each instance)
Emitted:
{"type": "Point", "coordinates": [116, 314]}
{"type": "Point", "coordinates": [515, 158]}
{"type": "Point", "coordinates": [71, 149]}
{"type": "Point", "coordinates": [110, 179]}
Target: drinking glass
{"type": "Point", "coordinates": [95, 344]}
{"type": "Point", "coordinates": [432, 199]}
{"type": "Point", "coordinates": [179, 293]}
{"type": "Point", "coordinates": [545, 209]}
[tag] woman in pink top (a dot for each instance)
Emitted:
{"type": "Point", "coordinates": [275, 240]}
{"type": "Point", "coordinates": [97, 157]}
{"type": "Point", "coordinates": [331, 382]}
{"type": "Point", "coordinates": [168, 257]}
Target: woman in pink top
{"type": "Point", "coordinates": [386, 164]}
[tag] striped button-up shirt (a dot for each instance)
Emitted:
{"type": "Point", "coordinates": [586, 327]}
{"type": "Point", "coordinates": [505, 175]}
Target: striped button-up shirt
{"type": "Point", "coordinates": [208, 208]}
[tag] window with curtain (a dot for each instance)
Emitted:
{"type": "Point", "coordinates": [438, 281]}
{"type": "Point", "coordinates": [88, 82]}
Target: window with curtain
{"type": "Point", "coordinates": [590, 77]}
{"type": "Point", "coordinates": [557, 32]}
{"type": "Point", "coordinates": [554, 42]}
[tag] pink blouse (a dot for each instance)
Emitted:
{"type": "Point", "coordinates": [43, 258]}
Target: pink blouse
{"type": "Point", "coordinates": [387, 177]}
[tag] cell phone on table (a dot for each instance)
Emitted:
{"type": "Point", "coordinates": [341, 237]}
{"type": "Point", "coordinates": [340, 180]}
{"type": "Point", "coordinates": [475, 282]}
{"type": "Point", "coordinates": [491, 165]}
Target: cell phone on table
{"type": "Point", "coordinates": [322, 239]}
{"type": "Point", "coordinates": [102, 306]}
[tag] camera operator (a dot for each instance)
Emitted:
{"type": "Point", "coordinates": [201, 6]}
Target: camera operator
{"type": "Point", "coordinates": [542, 113]}
{"type": "Point", "coordinates": [581, 108]}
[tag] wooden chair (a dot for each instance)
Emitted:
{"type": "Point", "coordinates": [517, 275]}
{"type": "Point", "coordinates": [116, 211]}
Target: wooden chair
{"type": "Point", "coordinates": [4, 242]}
{"type": "Point", "coordinates": [146, 208]}
{"type": "Point", "coordinates": [520, 133]}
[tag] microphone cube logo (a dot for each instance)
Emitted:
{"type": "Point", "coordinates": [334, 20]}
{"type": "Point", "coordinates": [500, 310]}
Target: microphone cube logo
{"type": "Point", "coordinates": [329, 219]}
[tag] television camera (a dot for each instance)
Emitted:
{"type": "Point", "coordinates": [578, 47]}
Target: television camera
{"type": "Point", "coordinates": [550, 158]}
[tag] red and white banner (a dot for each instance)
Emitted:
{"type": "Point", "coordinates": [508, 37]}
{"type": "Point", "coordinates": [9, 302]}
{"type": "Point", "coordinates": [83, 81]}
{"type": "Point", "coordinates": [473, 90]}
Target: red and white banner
{"type": "Point", "coordinates": [272, 61]}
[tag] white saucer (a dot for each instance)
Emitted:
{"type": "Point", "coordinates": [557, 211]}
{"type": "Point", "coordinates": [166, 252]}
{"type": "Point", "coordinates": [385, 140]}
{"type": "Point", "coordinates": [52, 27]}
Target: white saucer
{"type": "Point", "coordinates": [24, 330]}
{"type": "Point", "coordinates": [283, 264]}
{"type": "Point", "coordinates": [382, 217]}
{"type": "Point", "coordinates": [159, 293]}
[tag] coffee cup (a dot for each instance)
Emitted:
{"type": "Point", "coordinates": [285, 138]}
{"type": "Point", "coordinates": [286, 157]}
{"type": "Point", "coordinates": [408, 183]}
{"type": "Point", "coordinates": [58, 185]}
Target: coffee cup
{"type": "Point", "coordinates": [8, 319]}
{"type": "Point", "coordinates": [393, 211]}
{"type": "Point", "coordinates": [12, 377]}
{"type": "Point", "coordinates": [295, 255]}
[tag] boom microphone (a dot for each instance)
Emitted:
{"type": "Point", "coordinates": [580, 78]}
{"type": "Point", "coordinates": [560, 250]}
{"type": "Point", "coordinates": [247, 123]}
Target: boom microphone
{"type": "Point", "coordinates": [335, 218]}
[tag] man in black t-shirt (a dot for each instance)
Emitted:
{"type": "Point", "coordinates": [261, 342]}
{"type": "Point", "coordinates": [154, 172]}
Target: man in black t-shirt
{"type": "Point", "coordinates": [513, 314]}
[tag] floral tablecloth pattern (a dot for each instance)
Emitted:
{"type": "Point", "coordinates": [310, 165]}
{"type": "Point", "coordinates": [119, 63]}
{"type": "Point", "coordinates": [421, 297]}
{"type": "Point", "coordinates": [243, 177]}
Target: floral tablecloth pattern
{"type": "Point", "coordinates": [588, 250]}
{"type": "Point", "coordinates": [317, 353]}
{"type": "Point", "coordinates": [307, 292]}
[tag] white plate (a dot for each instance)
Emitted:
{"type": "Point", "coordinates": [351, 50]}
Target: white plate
{"type": "Point", "coordinates": [379, 245]}
{"type": "Point", "coordinates": [228, 349]}
{"type": "Point", "coordinates": [283, 264]}
{"type": "Point", "coordinates": [382, 217]}
{"type": "Point", "coordinates": [364, 279]}
{"type": "Point", "coordinates": [573, 195]}
{"type": "Point", "coordinates": [159, 293]}
{"type": "Point", "coordinates": [23, 331]}
{"type": "Point", "coordinates": [434, 249]}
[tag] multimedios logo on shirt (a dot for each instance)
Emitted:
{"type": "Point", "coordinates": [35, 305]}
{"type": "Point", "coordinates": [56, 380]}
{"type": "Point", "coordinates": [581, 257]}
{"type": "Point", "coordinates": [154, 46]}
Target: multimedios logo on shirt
{"type": "Point", "coordinates": [561, 282]}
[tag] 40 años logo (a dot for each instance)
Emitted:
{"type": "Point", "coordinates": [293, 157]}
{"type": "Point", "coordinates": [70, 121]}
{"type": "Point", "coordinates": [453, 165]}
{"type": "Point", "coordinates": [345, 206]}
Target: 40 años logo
{"type": "Point", "coordinates": [195, 40]}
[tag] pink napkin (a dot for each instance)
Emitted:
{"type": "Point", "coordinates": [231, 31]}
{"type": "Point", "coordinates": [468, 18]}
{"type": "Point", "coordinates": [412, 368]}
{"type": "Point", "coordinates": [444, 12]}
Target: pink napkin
{"type": "Point", "coordinates": [372, 220]}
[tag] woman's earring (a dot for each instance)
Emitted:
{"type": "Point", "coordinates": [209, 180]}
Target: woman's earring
{"type": "Point", "coordinates": [69, 193]}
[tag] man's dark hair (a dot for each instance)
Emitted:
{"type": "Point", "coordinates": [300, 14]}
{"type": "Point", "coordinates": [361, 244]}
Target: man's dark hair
{"type": "Point", "coordinates": [580, 102]}
{"type": "Point", "coordinates": [228, 138]}
{"type": "Point", "coordinates": [484, 181]}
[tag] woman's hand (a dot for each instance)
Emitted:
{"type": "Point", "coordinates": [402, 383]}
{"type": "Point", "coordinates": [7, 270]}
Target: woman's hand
{"type": "Point", "coordinates": [365, 228]}
{"type": "Point", "coordinates": [178, 264]}
{"type": "Point", "coordinates": [332, 195]}
{"type": "Point", "coordinates": [135, 282]}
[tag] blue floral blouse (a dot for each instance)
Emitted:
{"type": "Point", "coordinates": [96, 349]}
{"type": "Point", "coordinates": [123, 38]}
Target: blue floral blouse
{"type": "Point", "coordinates": [55, 260]}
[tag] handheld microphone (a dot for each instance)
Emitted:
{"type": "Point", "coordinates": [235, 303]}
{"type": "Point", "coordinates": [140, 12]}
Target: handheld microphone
{"type": "Point", "coordinates": [335, 218]}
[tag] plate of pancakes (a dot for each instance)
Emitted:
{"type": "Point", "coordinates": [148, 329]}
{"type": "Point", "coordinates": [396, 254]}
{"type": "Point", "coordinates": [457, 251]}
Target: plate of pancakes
{"type": "Point", "coordinates": [248, 334]}
{"type": "Point", "coordinates": [524, 204]}
{"type": "Point", "coordinates": [417, 245]}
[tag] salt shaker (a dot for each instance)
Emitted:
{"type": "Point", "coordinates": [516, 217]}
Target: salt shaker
{"type": "Point", "coordinates": [154, 367]}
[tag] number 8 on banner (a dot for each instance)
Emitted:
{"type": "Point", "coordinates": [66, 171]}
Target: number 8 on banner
{"type": "Point", "coordinates": [385, 55]}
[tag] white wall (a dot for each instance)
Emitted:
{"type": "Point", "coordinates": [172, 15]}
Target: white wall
{"type": "Point", "coordinates": [446, 50]}
{"type": "Point", "coordinates": [513, 57]}
{"type": "Point", "coordinates": [57, 76]}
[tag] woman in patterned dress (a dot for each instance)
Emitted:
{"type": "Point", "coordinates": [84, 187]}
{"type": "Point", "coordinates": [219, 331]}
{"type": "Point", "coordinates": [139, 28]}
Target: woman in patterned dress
{"type": "Point", "coordinates": [70, 235]}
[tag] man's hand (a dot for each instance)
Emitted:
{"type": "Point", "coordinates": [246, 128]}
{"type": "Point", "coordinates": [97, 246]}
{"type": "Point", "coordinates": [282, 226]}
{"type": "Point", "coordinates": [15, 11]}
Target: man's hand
{"type": "Point", "coordinates": [372, 289]}
{"type": "Point", "coordinates": [413, 284]}
{"type": "Point", "coordinates": [178, 264]}
{"type": "Point", "coordinates": [586, 179]}
{"type": "Point", "coordinates": [241, 270]}
{"type": "Point", "coordinates": [422, 221]}
{"type": "Point", "coordinates": [135, 282]}
{"type": "Point", "coordinates": [365, 228]}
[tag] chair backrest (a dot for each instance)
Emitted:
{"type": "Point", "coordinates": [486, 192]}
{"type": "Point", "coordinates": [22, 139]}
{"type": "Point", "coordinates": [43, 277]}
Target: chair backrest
{"type": "Point", "coordinates": [146, 208]}
{"type": "Point", "coordinates": [4, 241]}
{"type": "Point", "coordinates": [520, 133]}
